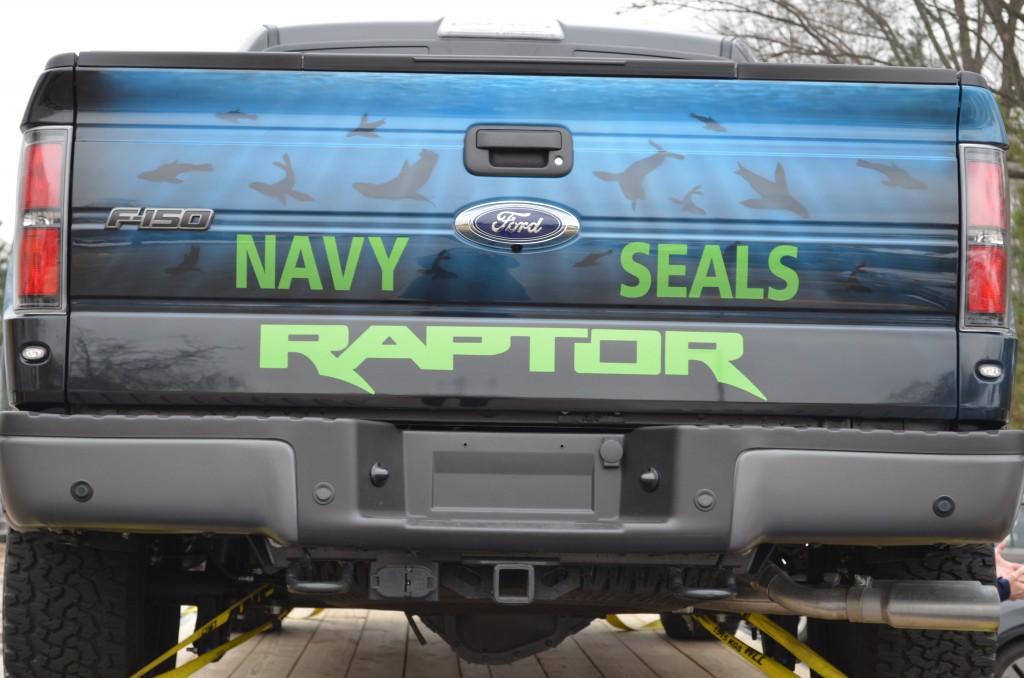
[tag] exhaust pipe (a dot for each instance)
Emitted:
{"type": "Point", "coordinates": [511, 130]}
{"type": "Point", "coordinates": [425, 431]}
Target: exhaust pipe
{"type": "Point", "coordinates": [938, 605]}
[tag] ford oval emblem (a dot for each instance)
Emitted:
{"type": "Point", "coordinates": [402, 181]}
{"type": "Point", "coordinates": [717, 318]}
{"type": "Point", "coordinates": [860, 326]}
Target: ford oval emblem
{"type": "Point", "coordinates": [517, 225]}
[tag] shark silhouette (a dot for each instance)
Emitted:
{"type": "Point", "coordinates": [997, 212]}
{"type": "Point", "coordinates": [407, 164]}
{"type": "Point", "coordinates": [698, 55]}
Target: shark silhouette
{"type": "Point", "coordinates": [366, 128]}
{"type": "Point", "coordinates": [282, 189]}
{"type": "Point", "coordinates": [897, 177]}
{"type": "Point", "coordinates": [188, 263]}
{"type": "Point", "coordinates": [169, 171]}
{"type": "Point", "coordinates": [688, 204]}
{"type": "Point", "coordinates": [775, 195]}
{"type": "Point", "coordinates": [631, 180]}
{"type": "Point", "coordinates": [234, 116]}
{"type": "Point", "coordinates": [436, 270]}
{"type": "Point", "coordinates": [592, 259]}
{"type": "Point", "coordinates": [407, 184]}
{"type": "Point", "coordinates": [709, 123]}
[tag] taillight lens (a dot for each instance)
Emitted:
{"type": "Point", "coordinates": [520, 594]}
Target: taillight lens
{"type": "Point", "coordinates": [42, 207]}
{"type": "Point", "coordinates": [986, 201]}
{"type": "Point", "coordinates": [39, 273]}
{"type": "Point", "coordinates": [986, 273]}
{"type": "Point", "coordinates": [986, 213]}
{"type": "Point", "coordinates": [43, 175]}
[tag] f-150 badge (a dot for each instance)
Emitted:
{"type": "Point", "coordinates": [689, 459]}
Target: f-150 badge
{"type": "Point", "coordinates": [518, 226]}
{"type": "Point", "coordinates": [160, 218]}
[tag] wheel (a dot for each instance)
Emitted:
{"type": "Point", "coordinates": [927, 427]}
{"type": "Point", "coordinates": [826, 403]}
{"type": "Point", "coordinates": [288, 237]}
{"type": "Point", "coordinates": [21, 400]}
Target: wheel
{"type": "Point", "coordinates": [684, 627]}
{"type": "Point", "coordinates": [74, 610]}
{"type": "Point", "coordinates": [878, 650]}
{"type": "Point", "coordinates": [1010, 660]}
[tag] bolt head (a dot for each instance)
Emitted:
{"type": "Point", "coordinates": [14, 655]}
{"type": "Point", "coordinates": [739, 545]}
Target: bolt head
{"type": "Point", "coordinates": [944, 506]}
{"type": "Point", "coordinates": [81, 491]}
{"type": "Point", "coordinates": [705, 500]}
{"type": "Point", "coordinates": [323, 493]}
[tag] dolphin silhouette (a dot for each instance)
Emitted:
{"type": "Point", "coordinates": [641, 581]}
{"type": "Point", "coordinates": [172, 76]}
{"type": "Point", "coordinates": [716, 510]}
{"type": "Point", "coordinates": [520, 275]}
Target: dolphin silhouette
{"type": "Point", "coordinates": [407, 184]}
{"type": "Point", "coordinates": [168, 172]}
{"type": "Point", "coordinates": [234, 116]}
{"type": "Point", "coordinates": [631, 179]}
{"type": "Point", "coordinates": [688, 204]}
{"type": "Point", "coordinates": [775, 195]}
{"type": "Point", "coordinates": [366, 128]}
{"type": "Point", "coordinates": [188, 263]}
{"type": "Point", "coordinates": [436, 270]}
{"type": "Point", "coordinates": [592, 259]}
{"type": "Point", "coordinates": [853, 283]}
{"type": "Point", "coordinates": [282, 189]}
{"type": "Point", "coordinates": [709, 123]}
{"type": "Point", "coordinates": [897, 177]}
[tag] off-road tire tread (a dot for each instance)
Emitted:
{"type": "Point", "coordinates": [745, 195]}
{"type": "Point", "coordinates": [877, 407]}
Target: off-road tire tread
{"type": "Point", "coordinates": [880, 651]}
{"type": "Point", "coordinates": [907, 653]}
{"type": "Point", "coordinates": [69, 610]}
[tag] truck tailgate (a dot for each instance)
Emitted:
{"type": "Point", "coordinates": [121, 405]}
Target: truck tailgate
{"type": "Point", "coordinates": [735, 236]}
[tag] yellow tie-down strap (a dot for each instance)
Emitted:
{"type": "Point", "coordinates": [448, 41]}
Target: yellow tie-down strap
{"type": "Point", "coordinates": [766, 664]}
{"type": "Point", "coordinates": [218, 652]}
{"type": "Point", "coordinates": [617, 622]}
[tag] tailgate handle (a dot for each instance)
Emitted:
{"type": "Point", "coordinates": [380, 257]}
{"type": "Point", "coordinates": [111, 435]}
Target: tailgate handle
{"type": "Point", "coordinates": [518, 151]}
{"type": "Point", "coordinates": [547, 140]}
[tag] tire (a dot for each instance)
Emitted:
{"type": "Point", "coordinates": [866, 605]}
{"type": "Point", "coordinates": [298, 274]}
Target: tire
{"type": "Point", "coordinates": [684, 627]}
{"type": "Point", "coordinates": [878, 650]}
{"type": "Point", "coordinates": [74, 610]}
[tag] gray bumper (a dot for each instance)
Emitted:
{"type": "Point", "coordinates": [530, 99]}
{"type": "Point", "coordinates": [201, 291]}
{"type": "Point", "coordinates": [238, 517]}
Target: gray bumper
{"type": "Point", "coordinates": [307, 481]}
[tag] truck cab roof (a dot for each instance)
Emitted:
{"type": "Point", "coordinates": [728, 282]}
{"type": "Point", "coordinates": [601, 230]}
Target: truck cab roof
{"type": "Point", "coordinates": [456, 37]}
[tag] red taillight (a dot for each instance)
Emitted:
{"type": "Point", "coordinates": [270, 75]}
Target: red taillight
{"type": "Point", "coordinates": [44, 176]}
{"type": "Point", "coordinates": [986, 205]}
{"type": "Point", "coordinates": [986, 280]}
{"type": "Point", "coordinates": [985, 215]}
{"type": "Point", "coordinates": [38, 264]}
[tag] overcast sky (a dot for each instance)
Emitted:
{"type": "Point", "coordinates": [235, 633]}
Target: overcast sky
{"type": "Point", "coordinates": [33, 33]}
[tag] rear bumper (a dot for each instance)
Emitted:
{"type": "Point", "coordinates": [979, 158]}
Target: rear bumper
{"type": "Point", "coordinates": [308, 481]}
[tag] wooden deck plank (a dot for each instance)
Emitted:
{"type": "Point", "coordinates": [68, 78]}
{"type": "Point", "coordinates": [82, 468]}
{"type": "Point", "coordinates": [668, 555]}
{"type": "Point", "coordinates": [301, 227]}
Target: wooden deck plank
{"type": "Point", "coordinates": [227, 665]}
{"type": "Point", "coordinates": [609, 654]}
{"type": "Point", "coordinates": [524, 668]}
{"type": "Point", "coordinates": [344, 613]}
{"type": "Point", "coordinates": [331, 649]}
{"type": "Point", "coordinates": [468, 670]}
{"type": "Point", "coordinates": [665, 659]}
{"type": "Point", "coordinates": [278, 651]}
{"type": "Point", "coordinates": [567, 660]}
{"type": "Point", "coordinates": [433, 660]}
{"type": "Point", "coordinates": [382, 646]}
{"type": "Point", "coordinates": [716, 658]}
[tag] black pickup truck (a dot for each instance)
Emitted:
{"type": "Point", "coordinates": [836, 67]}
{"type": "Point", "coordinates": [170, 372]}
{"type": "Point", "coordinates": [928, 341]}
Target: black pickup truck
{"type": "Point", "coordinates": [510, 328]}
